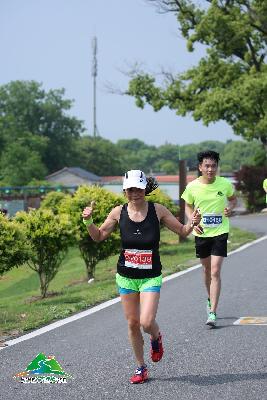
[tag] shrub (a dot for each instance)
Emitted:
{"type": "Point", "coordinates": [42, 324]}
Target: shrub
{"type": "Point", "coordinates": [249, 182]}
{"type": "Point", "coordinates": [158, 196]}
{"type": "Point", "coordinates": [14, 249]}
{"type": "Point", "coordinates": [49, 236]}
{"type": "Point", "coordinates": [105, 201]}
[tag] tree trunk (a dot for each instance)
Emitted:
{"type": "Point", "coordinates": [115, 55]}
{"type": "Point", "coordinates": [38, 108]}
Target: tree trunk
{"type": "Point", "coordinates": [43, 284]}
{"type": "Point", "coordinates": [90, 268]}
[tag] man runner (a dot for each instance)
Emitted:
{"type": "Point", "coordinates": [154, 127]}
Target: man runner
{"type": "Point", "coordinates": [214, 198]}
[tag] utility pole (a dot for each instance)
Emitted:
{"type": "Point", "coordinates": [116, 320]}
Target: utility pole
{"type": "Point", "coordinates": [182, 186]}
{"type": "Point", "coordinates": [94, 74]}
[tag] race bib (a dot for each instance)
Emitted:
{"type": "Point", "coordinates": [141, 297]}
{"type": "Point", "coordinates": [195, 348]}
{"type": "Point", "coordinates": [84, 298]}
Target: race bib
{"type": "Point", "coordinates": [211, 220]}
{"type": "Point", "coordinates": [140, 259]}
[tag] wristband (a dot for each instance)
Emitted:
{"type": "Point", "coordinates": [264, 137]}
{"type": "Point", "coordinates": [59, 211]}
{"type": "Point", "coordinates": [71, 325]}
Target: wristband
{"type": "Point", "coordinates": [88, 222]}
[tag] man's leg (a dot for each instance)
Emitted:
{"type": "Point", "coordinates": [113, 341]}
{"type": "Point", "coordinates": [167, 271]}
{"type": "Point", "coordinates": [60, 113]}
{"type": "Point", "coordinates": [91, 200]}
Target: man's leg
{"type": "Point", "coordinates": [215, 284]}
{"type": "Point", "coordinates": [206, 263]}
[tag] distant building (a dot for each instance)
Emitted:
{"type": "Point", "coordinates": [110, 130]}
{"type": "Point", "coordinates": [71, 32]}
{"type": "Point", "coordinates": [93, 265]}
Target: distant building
{"type": "Point", "coordinates": [73, 176]}
{"type": "Point", "coordinates": [167, 183]}
{"type": "Point", "coordinates": [161, 179]}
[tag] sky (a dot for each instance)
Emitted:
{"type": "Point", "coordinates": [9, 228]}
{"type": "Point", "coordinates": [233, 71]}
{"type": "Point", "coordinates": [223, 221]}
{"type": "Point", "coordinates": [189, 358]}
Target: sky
{"type": "Point", "coordinates": [50, 41]}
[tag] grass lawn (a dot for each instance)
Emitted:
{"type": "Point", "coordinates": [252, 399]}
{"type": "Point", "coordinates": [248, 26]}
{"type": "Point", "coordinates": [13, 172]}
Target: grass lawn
{"type": "Point", "coordinates": [21, 309]}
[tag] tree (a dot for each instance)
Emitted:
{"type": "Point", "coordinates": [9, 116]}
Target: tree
{"type": "Point", "coordinates": [249, 182]}
{"type": "Point", "coordinates": [168, 158]}
{"type": "Point", "coordinates": [230, 82]}
{"type": "Point", "coordinates": [238, 153]}
{"type": "Point", "coordinates": [138, 155]}
{"type": "Point", "coordinates": [91, 251]}
{"type": "Point", "coordinates": [97, 155]}
{"type": "Point", "coordinates": [20, 164]}
{"type": "Point", "coordinates": [14, 249]}
{"type": "Point", "coordinates": [38, 119]}
{"type": "Point", "coordinates": [49, 236]}
{"type": "Point", "coordinates": [168, 167]}
{"type": "Point", "coordinates": [134, 145]}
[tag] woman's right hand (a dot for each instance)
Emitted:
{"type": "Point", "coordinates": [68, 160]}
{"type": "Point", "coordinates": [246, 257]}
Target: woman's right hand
{"type": "Point", "coordinates": [88, 211]}
{"type": "Point", "coordinates": [196, 218]}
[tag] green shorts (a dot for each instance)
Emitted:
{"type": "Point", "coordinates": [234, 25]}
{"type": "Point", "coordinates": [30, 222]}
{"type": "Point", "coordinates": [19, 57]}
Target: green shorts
{"type": "Point", "coordinates": [129, 285]}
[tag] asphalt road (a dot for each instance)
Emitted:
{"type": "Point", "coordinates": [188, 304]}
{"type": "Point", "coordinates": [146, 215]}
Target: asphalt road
{"type": "Point", "coordinates": [229, 362]}
{"type": "Point", "coordinates": [252, 222]}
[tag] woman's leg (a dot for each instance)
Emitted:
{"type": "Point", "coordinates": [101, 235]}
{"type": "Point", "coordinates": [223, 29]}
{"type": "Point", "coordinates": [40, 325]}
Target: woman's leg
{"type": "Point", "coordinates": [131, 306]}
{"type": "Point", "coordinates": [149, 305]}
{"type": "Point", "coordinates": [148, 310]}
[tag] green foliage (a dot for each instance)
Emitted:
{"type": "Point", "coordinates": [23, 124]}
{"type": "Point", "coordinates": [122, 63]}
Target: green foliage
{"type": "Point", "coordinates": [93, 156]}
{"type": "Point", "coordinates": [105, 201]}
{"type": "Point", "coordinates": [36, 121]}
{"type": "Point", "coordinates": [158, 196]}
{"type": "Point", "coordinates": [132, 145]}
{"type": "Point", "coordinates": [49, 236]}
{"type": "Point", "coordinates": [238, 153]}
{"type": "Point", "coordinates": [167, 159]}
{"type": "Point", "coordinates": [20, 164]}
{"type": "Point", "coordinates": [53, 201]}
{"type": "Point", "coordinates": [230, 82]}
{"type": "Point", "coordinates": [37, 137]}
{"type": "Point", "coordinates": [169, 167]}
{"type": "Point", "coordinates": [14, 250]}
{"type": "Point", "coordinates": [249, 181]}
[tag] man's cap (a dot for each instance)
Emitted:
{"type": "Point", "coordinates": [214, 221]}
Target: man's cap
{"type": "Point", "coordinates": [134, 178]}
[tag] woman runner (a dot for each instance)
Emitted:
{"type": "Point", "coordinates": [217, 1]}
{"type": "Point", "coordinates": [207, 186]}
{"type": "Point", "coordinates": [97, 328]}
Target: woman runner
{"type": "Point", "coordinates": [139, 277]}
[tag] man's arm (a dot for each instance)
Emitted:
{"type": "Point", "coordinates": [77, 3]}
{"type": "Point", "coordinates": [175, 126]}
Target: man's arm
{"type": "Point", "coordinates": [232, 202]}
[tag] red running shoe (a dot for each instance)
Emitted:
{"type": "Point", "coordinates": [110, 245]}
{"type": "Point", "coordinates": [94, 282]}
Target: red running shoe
{"type": "Point", "coordinates": [156, 350]}
{"type": "Point", "coordinates": [140, 375]}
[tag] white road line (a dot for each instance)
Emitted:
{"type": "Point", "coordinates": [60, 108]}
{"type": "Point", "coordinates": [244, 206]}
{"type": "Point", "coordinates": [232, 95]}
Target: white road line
{"type": "Point", "coordinates": [108, 303]}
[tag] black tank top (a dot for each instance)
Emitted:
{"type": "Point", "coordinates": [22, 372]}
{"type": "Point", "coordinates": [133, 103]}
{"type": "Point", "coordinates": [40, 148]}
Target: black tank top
{"type": "Point", "coordinates": [139, 257]}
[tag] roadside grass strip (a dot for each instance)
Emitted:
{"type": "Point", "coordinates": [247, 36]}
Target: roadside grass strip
{"type": "Point", "coordinates": [109, 303]}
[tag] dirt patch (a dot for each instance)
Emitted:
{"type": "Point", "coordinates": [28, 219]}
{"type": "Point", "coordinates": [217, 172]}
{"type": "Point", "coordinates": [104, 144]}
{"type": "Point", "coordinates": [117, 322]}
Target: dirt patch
{"type": "Point", "coordinates": [39, 298]}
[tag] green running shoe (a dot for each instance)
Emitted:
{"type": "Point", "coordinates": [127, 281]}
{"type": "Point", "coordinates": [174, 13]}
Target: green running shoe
{"type": "Point", "coordinates": [212, 318]}
{"type": "Point", "coordinates": [208, 306]}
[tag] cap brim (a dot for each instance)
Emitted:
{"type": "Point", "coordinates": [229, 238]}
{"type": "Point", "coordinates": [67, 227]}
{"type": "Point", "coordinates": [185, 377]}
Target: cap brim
{"type": "Point", "coordinates": [134, 184]}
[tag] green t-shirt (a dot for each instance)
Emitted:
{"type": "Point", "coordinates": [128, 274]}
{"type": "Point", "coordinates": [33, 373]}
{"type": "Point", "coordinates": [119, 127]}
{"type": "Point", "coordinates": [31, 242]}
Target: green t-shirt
{"type": "Point", "coordinates": [265, 187]}
{"type": "Point", "coordinates": [211, 199]}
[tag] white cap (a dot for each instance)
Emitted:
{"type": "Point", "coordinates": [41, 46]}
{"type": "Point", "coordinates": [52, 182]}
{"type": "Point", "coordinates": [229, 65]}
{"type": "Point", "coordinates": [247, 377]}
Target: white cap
{"type": "Point", "coordinates": [134, 178]}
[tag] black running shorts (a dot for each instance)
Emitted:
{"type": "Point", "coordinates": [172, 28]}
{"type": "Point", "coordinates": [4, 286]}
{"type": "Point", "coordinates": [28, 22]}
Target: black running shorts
{"type": "Point", "coordinates": [216, 246]}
